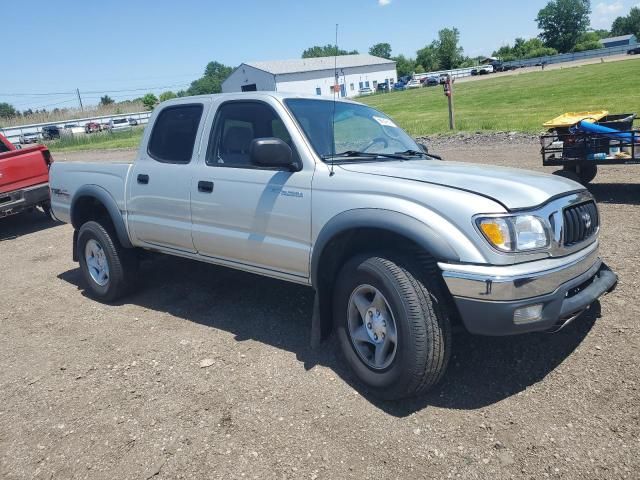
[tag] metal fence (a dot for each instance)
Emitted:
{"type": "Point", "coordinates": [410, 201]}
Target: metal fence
{"type": "Point", "coordinates": [531, 62]}
{"type": "Point", "coordinates": [571, 57]}
{"type": "Point", "coordinates": [13, 133]}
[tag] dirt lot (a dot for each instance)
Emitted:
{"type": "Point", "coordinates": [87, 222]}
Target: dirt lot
{"type": "Point", "coordinates": [104, 392]}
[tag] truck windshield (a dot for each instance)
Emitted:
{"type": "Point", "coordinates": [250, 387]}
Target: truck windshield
{"type": "Point", "coordinates": [356, 129]}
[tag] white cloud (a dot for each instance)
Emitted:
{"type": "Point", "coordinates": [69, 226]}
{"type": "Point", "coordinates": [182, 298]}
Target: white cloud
{"type": "Point", "coordinates": [384, 3]}
{"type": "Point", "coordinates": [605, 13]}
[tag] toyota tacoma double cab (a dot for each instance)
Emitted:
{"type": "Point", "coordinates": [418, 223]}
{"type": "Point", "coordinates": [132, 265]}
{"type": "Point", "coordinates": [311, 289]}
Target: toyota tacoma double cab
{"type": "Point", "coordinates": [24, 178]}
{"type": "Point", "coordinates": [398, 245]}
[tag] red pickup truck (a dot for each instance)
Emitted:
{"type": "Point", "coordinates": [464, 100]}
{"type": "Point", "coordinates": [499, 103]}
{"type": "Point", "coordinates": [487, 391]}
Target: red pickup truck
{"type": "Point", "coordinates": [24, 178]}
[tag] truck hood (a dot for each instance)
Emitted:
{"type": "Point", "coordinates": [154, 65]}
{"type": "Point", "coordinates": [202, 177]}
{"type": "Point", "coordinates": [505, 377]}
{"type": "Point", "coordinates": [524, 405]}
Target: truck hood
{"type": "Point", "coordinates": [513, 188]}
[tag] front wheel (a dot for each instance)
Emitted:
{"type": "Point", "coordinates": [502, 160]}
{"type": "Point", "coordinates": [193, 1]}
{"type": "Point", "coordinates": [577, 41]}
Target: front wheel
{"type": "Point", "coordinates": [392, 326]}
{"type": "Point", "coordinates": [108, 268]}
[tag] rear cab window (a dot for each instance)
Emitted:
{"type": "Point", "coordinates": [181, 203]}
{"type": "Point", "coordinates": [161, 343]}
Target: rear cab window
{"type": "Point", "coordinates": [174, 133]}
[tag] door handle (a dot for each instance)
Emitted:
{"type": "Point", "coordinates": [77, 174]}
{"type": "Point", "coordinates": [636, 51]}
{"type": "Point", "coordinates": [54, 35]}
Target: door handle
{"type": "Point", "coordinates": [205, 187]}
{"type": "Point", "coordinates": [143, 179]}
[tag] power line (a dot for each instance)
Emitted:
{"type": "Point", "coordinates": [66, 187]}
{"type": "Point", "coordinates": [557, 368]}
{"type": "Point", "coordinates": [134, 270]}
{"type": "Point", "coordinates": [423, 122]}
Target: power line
{"type": "Point", "coordinates": [92, 91]}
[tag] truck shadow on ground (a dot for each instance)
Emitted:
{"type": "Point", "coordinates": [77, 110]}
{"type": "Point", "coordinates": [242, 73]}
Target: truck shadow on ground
{"type": "Point", "coordinates": [616, 193]}
{"type": "Point", "coordinates": [24, 223]}
{"type": "Point", "coordinates": [482, 370]}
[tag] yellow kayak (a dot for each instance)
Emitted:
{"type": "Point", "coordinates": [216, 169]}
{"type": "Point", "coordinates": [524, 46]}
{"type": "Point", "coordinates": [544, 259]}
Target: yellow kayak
{"type": "Point", "coordinates": [569, 119]}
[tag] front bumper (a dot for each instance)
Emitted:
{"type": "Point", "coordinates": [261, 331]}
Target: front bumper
{"type": "Point", "coordinates": [488, 296]}
{"type": "Point", "coordinates": [19, 200]}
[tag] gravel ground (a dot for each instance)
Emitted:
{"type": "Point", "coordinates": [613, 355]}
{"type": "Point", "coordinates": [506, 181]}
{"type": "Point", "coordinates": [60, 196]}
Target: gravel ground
{"type": "Point", "coordinates": [208, 373]}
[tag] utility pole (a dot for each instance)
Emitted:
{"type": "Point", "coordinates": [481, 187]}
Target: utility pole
{"type": "Point", "coordinates": [79, 99]}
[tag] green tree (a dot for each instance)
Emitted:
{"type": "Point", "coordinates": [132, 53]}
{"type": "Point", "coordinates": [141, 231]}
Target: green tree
{"type": "Point", "coordinates": [629, 25]}
{"type": "Point", "coordinates": [419, 69]}
{"type": "Point", "coordinates": [149, 101]}
{"type": "Point", "coordinates": [211, 82]}
{"type": "Point", "coordinates": [382, 50]}
{"type": "Point", "coordinates": [601, 33]}
{"type": "Point", "coordinates": [448, 52]}
{"type": "Point", "coordinates": [7, 110]}
{"type": "Point", "coordinates": [166, 96]}
{"type": "Point", "coordinates": [562, 22]}
{"type": "Point", "coordinates": [427, 57]}
{"type": "Point", "coordinates": [404, 66]}
{"type": "Point", "coordinates": [106, 100]}
{"type": "Point", "coordinates": [326, 51]}
{"type": "Point", "coordinates": [181, 93]}
{"type": "Point", "coordinates": [588, 41]}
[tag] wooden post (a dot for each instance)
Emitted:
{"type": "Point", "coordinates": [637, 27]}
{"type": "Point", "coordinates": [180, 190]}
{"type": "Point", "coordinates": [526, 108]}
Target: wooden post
{"type": "Point", "coordinates": [452, 116]}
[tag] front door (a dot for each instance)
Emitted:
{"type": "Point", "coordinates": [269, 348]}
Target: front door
{"type": "Point", "coordinates": [159, 208]}
{"type": "Point", "coordinates": [245, 214]}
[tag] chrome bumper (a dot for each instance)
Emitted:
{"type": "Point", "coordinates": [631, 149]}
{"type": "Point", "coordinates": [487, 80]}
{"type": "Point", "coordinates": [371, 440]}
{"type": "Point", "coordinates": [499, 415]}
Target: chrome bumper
{"type": "Point", "coordinates": [521, 281]}
{"type": "Point", "coordinates": [489, 299]}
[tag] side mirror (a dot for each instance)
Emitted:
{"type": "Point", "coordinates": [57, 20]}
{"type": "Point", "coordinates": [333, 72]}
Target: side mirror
{"type": "Point", "coordinates": [271, 152]}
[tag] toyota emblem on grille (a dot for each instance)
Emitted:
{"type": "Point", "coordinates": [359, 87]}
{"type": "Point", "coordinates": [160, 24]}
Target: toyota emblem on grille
{"type": "Point", "coordinates": [586, 218]}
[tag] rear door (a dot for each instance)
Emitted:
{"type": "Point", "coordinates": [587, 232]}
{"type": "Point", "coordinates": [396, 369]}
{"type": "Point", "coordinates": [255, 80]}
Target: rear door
{"type": "Point", "coordinates": [159, 185]}
{"type": "Point", "coordinates": [246, 214]}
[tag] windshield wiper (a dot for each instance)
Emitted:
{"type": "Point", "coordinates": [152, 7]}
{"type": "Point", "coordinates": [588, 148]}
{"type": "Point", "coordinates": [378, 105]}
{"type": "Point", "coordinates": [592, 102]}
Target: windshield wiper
{"type": "Point", "coordinates": [419, 153]}
{"type": "Point", "coordinates": [358, 154]}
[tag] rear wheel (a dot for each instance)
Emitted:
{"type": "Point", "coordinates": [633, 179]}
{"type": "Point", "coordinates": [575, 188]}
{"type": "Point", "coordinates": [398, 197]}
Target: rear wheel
{"type": "Point", "coordinates": [582, 172]}
{"type": "Point", "coordinates": [392, 326]}
{"type": "Point", "coordinates": [108, 268]}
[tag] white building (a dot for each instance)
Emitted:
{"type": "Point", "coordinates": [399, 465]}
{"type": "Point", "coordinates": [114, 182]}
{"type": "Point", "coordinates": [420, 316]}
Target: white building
{"type": "Point", "coordinates": [313, 75]}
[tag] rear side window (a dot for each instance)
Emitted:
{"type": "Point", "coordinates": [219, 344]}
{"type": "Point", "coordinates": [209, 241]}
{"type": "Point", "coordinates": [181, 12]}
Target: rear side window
{"type": "Point", "coordinates": [174, 134]}
{"type": "Point", "coordinates": [3, 147]}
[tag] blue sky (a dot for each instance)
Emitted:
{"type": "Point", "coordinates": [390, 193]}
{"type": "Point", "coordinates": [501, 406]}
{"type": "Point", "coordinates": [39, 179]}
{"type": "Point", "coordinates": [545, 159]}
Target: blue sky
{"type": "Point", "coordinates": [118, 46]}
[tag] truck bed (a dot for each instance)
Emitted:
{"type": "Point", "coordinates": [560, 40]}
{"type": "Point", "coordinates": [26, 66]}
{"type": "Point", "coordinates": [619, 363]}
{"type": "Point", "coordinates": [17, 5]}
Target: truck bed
{"type": "Point", "coordinates": [66, 178]}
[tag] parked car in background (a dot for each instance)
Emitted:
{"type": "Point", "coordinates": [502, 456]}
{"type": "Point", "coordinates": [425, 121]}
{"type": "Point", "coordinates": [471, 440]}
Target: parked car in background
{"type": "Point", "coordinates": [24, 178]}
{"type": "Point", "coordinates": [119, 124]}
{"type": "Point", "coordinates": [399, 86]}
{"type": "Point", "coordinates": [133, 122]}
{"type": "Point", "coordinates": [399, 246]}
{"type": "Point", "coordinates": [383, 87]}
{"type": "Point", "coordinates": [50, 132]}
{"type": "Point", "coordinates": [414, 84]}
{"type": "Point", "coordinates": [485, 69]}
{"type": "Point", "coordinates": [31, 137]}
{"type": "Point", "coordinates": [365, 91]}
{"type": "Point", "coordinates": [91, 127]}
{"type": "Point", "coordinates": [634, 51]}
{"type": "Point", "coordinates": [430, 81]}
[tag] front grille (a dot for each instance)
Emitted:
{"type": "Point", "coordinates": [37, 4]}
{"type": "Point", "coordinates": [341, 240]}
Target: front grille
{"type": "Point", "coordinates": [580, 222]}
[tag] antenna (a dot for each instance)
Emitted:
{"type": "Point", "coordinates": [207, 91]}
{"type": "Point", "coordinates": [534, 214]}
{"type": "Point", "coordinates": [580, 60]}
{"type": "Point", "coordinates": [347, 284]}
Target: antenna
{"type": "Point", "coordinates": [333, 115]}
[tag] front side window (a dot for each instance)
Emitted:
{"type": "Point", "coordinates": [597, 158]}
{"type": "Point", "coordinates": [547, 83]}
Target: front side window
{"type": "Point", "coordinates": [357, 128]}
{"type": "Point", "coordinates": [174, 134]}
{"type": "Point", "coordinates": [236, 125]}
{"type": "Point", "coordinates": [3, 147]}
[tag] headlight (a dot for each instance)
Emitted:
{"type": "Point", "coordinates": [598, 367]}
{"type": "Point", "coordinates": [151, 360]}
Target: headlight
{"type": "Point", "coordinates": [514, 234]}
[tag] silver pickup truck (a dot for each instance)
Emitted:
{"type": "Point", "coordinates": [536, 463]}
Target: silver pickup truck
{"type": "Point", "coordinates": [398, 245]}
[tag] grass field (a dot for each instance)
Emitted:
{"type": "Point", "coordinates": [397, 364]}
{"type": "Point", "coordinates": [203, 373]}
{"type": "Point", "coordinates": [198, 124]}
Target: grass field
{"type": "Point", "coordinates": [98, 141]}
{"type": "Point", "coordinates": [510, 103]}
{"type": "Point", "coordinates": [517, 102]}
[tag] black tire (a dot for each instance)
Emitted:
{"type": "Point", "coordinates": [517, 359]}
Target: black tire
{"type": "Point", "coordinates": [122, 263]}
{"type": "Point", "coordinates": [422, 323]}
{"type": "Point", "coordinates": [582, 173]}
{"type": "Point", "coordinates": [586, 172]}
{"type": "Point", "coordinates": [567, 173]}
